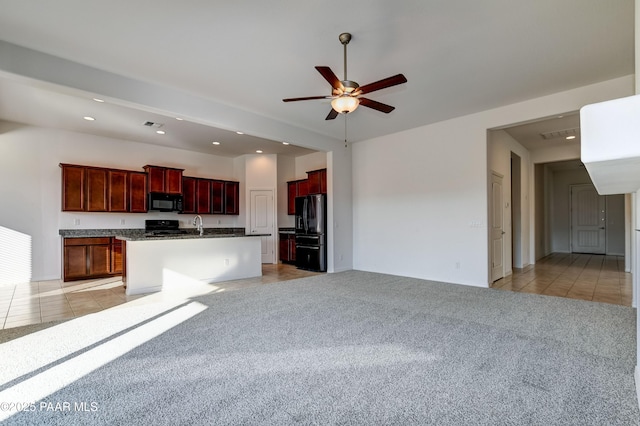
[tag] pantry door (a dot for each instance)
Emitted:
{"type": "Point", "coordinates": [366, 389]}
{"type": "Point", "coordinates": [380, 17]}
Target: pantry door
{"type": "Point", "coordinates": [262, 221]}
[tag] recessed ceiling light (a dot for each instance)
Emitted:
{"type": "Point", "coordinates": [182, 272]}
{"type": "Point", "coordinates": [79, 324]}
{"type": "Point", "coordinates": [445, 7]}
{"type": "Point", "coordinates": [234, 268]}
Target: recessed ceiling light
{"type": "Point", "coordinates": [179, 119]}
{"type": "Point", "coordinates": [160, 132]}
{"type": "Point", "coordinates": [285, 143]}
{"type": "Point", "coordinates": [561, 116]}
{"type": "Point", "coordinates": [216, 143]}
{"type": "Point", "coordinates": [240, 133]}
{"type": "Point", "coordinates": [570, 137]}
{"type": "Point", "coordinates": [98, 100]}
{"type": "Point", "coordinates": [259, 151]}
{"type": "Point", "coordinates": [89, 118]}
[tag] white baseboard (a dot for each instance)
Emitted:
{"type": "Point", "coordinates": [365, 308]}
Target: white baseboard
{"type": "Point", "coordinates": [638, 384]}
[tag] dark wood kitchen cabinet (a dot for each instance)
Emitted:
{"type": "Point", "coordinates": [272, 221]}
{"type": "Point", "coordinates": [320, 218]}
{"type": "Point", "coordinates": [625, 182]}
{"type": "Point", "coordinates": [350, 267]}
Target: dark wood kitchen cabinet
{"type": "Point", "coordinates": [85, 258]}
{"type": "Point", "coordinates": [287, 247]}
{"type": "Point", "coordinates": [317, 181]}
{"type": "Point", "coordinates": [203, 196]}
{"type": "Point", "coordinates": [210, 196]}
{"type": "Point", "coordinates": [98, 189]}
{"type": "Point", "coordinates": [217, 197]}
{"type": "Point", "coordinates": [137, 192]}
{"type": "Point", "coordinates": [292, 193]}
{"type": "Point", "coordinates": [231, 197]}
{"type": "Point", "coordinates": [164, 179]}
{"type": "Point", "coordinates": [303, 188]}
{"type": "Point", "coordinates": [117, 256]}
{"type": "Point", "coordinates": [73, 178]}
{"type": "Point", "coordinates": [296, 188]}
{"type": "Point", "coordinates": [118, 190]}
{"type": "Point", "coordinates": [189, 194]}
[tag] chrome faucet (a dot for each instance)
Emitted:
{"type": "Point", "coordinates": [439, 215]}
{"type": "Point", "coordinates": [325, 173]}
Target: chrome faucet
{"type": "Point", "coordinates": [199, 224]}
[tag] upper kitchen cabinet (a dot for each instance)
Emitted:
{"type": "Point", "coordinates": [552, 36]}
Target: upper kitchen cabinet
{"type": "Point", "coordinates": [217, 197]}
{"type": "Point", "coordinates": [231, 197]}
{"type": "Point", "coordinates": [118, 190]}
{"type": "Point", "coordinates": [203, 196]}
{"type": "Point", "coordinates": [97, 189]}
{"type": "Point", "coordinates": [164, 179]}
{"type": "Point", "coordinates": [317, 180]}
{"type": "Point", "coordinates": [189, 194]}
{"type": "Point", "coordinates": [296, 188]}
{"type": "Point", "coordinates": [137, 192]}
{"type": "Point", "coordinates": [209, 196]}
{"type": "Point", "coordinates": [73, 178]}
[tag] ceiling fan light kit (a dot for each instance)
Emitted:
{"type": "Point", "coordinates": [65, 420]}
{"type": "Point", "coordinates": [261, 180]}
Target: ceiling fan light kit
{"type": "Point", "coordinates": [346, 94]}
{"type": "Point", "coordinates": [345, 104]}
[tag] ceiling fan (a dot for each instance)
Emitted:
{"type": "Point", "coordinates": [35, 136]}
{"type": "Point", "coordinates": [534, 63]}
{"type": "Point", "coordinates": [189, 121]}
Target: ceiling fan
{"type": "Point", "coordinates": [346, 95]}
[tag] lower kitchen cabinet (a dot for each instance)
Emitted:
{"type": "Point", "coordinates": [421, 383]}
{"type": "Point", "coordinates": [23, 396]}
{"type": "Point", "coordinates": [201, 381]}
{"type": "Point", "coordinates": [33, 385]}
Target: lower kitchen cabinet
{"type": "Point", "coordinates": [287, 247]}
{"type": "Point", "coordinates": [86, 258]}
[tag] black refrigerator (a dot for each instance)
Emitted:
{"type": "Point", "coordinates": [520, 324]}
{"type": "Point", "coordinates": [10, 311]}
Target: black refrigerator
{"type": "Point", "coordinates": [311, 232]}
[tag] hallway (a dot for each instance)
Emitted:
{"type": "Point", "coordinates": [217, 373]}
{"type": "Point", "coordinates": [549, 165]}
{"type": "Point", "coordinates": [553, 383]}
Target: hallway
{"type": "Point", "coordinates": [597, 278]}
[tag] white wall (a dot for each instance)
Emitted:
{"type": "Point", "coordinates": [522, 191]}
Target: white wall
{"type": "Point", "coordinates": [420, 196]}
{"type": "Point", "coordinates": [615, 224]}
{"type": "Point", "coordinates": [309, 162]}
{"type": "Point", "coordinates": [30, 186]}
{"type": "Point", "coordinates": [339, 210]}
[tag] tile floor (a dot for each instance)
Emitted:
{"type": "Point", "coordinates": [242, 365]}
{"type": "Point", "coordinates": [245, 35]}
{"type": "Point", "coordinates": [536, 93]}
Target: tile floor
{"type": "Point", "coordinates": [44, 301]}
{"type": "Point", "coordinates": [598, 278]}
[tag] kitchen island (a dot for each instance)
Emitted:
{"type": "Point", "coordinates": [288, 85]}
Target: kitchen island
{"type": "Point", "coordinates": [154, 263]}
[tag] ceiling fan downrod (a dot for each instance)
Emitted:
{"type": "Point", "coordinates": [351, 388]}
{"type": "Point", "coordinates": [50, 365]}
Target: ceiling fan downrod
{"type": "Point", "coordinates": [345, 38]}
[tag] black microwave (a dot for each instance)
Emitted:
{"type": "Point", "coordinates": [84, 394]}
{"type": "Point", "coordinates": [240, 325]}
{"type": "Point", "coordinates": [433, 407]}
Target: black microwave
{"type": "Point", "coordinates": [165, 202]}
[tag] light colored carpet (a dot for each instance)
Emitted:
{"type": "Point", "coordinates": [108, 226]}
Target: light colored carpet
{"type": "Point", "coordinates": [358, 348]}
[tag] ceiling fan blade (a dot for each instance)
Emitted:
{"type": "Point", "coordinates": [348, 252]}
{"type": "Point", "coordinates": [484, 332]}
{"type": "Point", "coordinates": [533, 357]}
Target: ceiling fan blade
{"type": "Point", "coordinates": [308, 98]}
{"type": "Point", "coordinates": [332, 114]}
{"type": "Point", "coordinates": [382, 84]}
{"type": "Point", "coordinates": [330, 77]}
{"type": "Point", "coordinates": [376, 105]}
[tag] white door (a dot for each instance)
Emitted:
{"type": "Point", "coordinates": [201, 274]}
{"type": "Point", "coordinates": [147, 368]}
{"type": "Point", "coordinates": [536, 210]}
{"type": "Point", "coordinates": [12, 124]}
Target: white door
{"type": "Point", "coordinates": [261, 221]}
{"type": "Point", "coordinates": [497, 232]}
{"type": "Point", "coordinates": [588, 220]}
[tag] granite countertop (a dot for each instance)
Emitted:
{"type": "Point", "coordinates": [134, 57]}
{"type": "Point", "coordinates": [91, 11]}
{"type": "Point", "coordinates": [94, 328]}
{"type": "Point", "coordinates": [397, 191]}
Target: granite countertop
{"type": "Point", "coordinates": [287, 230]}
{"type": "Point", "coordinates": [186, 236]}
{"type": "Point", "coordinates": [138, 234]}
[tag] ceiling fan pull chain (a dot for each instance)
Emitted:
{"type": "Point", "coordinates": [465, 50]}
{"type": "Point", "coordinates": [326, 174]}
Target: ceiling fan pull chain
{"type": "Point", "coordinates": [345, 130]}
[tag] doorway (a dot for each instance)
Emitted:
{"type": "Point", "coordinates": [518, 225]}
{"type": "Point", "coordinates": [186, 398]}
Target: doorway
{"type": "Point", "coordinates": [516, 211]}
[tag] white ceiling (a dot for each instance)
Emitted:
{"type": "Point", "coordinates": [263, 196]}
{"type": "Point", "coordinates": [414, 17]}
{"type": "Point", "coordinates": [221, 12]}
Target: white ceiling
{"type": "Point", "coordinates": [547, 132]}
{"type": "Point", "coordinates": [459, 57]}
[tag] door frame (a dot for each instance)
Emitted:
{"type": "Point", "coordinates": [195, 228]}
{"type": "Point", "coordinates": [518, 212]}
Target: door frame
{"type": "Point", "coordinates": [490, 225]}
